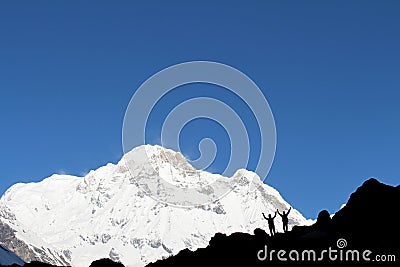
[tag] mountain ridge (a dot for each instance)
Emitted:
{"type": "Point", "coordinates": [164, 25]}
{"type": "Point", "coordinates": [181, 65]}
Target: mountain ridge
{"type": "Point", "coordinates": [106, 214]}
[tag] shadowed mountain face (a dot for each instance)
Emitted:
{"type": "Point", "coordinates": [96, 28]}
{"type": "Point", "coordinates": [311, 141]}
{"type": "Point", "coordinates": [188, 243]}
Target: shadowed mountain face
{"type": "Point", "coordinates": [369, 221]}
{"type": "Point", "coordinates": [7, 257]}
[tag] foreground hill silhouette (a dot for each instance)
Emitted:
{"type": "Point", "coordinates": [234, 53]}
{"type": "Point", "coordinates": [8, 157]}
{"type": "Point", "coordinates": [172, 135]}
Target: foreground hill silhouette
{"type": "Point", "coordinates": [369, 221]}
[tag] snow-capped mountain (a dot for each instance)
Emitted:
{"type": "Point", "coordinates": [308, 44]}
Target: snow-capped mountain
{"type": "Point", "coordinates": [8, 257]}
{"type": "Point", "coordinates": [67, 220]}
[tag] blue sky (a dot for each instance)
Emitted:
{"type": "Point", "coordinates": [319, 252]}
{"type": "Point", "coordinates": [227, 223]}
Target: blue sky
{"type": "Point", "coordinates": [330, 72]}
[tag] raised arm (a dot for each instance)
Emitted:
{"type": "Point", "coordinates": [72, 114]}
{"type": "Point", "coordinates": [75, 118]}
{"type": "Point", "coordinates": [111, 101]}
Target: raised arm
{"type": "Point", "coordinates": [264, 216]}
{"type": "Point", "coordinates": [274, 215]}
{"type": "Point", "coordinates": [279, 213]}
{"type": "Point", "coordinates": [289, 210]}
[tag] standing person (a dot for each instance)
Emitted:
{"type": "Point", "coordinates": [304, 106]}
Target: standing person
{"type": "Point", "coordinates": [271, 224]}
{"type": "Point", "coordinates": [285, 219]}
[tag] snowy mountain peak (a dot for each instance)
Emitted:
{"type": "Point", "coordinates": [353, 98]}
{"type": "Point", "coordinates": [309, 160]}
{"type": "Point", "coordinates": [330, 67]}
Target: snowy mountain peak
{"type": "Point", "coordinates": [172, 166]}
{"type": "Point", "coordinates": [247, 175]}
{"type": "Point", "coordinates": [67, 220]}
{"type": "Point", "coordinates": [157, 155]}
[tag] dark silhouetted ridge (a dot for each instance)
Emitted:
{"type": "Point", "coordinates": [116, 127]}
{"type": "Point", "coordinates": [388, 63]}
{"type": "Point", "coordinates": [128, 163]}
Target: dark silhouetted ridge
{"type": "Point", "coordinates": [106, 263]}
{"type": "Point", "coordinates": [369, 220]}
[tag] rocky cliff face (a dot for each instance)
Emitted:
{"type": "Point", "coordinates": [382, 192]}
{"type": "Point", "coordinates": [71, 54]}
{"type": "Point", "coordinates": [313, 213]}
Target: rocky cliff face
{"type": "Point", "coordinates": [26, 252]}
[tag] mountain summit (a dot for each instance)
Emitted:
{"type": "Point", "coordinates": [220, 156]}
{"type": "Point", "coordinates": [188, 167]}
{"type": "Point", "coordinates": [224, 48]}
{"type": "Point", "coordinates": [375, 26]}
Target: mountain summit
{"type": "Point", "coordinates": [67, 220]}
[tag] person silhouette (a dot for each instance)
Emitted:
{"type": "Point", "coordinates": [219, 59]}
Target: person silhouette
{"type": "Point", "coordinates": [271, 224]}
{"type": "Point", "coordinates": [285, 219]}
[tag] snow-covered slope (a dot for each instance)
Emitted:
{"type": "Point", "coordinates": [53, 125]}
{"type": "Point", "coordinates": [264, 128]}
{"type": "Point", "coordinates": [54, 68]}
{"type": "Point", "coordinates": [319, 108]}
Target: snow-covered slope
{"type": "Point", "coordinates": [72, 220]}
{"type": "Point", "coordinates": [9, 258]}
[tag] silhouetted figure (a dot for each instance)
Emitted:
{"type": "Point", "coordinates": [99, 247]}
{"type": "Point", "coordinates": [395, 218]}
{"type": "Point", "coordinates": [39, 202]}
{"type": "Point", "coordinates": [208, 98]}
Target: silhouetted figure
{"type": "Point", "coordinates": [271, 224]}
{"type": "Point", "coordinates": [285, 219]}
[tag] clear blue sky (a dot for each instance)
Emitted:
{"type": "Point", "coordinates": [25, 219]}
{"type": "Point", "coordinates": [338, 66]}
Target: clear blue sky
{"type": "Point", "coordinates": [330, 71]}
